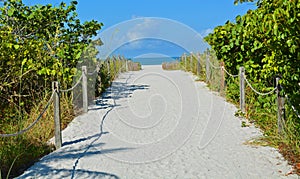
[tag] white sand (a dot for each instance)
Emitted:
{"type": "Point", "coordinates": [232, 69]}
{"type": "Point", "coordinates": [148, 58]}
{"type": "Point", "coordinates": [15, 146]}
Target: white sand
{"type": "Point", "coordinates": [160, 124]}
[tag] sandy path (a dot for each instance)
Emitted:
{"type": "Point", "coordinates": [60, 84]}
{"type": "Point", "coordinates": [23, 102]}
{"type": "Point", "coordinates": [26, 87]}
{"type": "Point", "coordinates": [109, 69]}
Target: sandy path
{"type": "Point", "coordinates": [159, 124]}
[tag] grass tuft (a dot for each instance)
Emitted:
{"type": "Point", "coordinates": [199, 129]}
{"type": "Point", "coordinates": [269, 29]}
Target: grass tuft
{"type": "Point", "coordinates": [171, 65]}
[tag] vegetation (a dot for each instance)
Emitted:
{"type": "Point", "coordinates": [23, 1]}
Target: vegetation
{"type": "Point", "coordinates": [40, 44]}
{"type": "Point", "coordinates": [266, 42]}
{"type": "Point", "coordinates": [109, 70]}
{"type": "Point", "coordinates": [171, 65]}
{"type": "Point", "coordinates": [197, 65]}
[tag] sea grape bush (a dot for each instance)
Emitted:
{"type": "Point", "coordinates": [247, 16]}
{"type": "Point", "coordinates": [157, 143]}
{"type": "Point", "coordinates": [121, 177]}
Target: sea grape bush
{"type": "Point", "coordinates": [266, 42]}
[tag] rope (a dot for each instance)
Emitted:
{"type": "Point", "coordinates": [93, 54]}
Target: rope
{"type": "Point", "coordinates": [70, 89]}
{"type": "Point", "coordinates": [233, 76]}
{"type": "Point", "coordinates": [213, 65]}
{"type": "Point", "coordinates": [92, 73]}
{"type": "Point", "coordinates": [293, 107]}
{"type": "Point", "coordinates": [32, 124]}
{"type": "Point", "coordinates": [263, 94]}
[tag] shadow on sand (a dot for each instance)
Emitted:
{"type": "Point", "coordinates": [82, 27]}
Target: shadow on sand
{"type": "Point", "coordinates": [118, 90]}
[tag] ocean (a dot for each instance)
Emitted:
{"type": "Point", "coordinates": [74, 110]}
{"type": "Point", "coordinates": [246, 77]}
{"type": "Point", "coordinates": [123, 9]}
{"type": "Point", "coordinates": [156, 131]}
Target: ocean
{"type": "Point", "coordinates": [155, 61]}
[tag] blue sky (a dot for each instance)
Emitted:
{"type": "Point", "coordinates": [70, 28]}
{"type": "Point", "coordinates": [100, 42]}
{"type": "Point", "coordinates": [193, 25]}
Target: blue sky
{"type": "Point", "coordinates": [198, 15]}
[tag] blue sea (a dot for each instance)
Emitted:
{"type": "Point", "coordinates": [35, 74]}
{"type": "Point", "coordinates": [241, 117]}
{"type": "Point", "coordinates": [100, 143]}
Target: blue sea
{"type": "Point", "coordinates": [155, 61]}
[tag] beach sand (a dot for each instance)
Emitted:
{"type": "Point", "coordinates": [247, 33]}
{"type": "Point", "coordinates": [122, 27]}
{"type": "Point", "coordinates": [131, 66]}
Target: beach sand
{"type": "Point", "coordinates": [160, 124]}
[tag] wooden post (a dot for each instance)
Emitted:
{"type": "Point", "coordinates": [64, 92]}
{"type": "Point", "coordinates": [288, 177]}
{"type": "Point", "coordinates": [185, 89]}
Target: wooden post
{"type": "Point", "coordinates": [242, 90]}
{"type": "Point", "coordinates": [98, 68]}
{"type": "Point", "coordinates": [57, 127]}
{"type": "Point", "coordinates": [108, 65]}
{"type": "Point", "coordinates": [207, 68]}
{"type": "Point", "coordinates": [129, 65]}
{"type": "Point", "coordinates": [222, 82]}
{"type": "Point", "coordinates": [119, 59]}
{"type": "Point", "coordinates": [191, 63]}
{"type": "Point", "coordinates": [185, 64]}
{"type": "Point", "coordinates": [126, 65]}
{"type": "Point", "coordinates": [115, 66]}
{"type": "Point", "coordinates": [280, 108]}
{"type": "Point", "coordinates": [198, 65]}
{"type": "Point", "coordinates": [120, 64]}
{"type": "Point", "coordinates": [181, 60]}
{"type": "Point", "coordinates": [84, 90]}
{"type": "Point", "coordinates": [98, 81]}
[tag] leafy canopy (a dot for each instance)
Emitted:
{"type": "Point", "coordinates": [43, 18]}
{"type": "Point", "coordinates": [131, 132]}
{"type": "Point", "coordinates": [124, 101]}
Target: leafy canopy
{"type": "Point", "coordinates": [40, 44]}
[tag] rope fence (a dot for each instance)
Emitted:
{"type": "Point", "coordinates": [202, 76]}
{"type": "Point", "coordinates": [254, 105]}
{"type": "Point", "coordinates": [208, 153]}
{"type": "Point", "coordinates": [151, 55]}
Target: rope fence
{"type": "Point", "coordinates": [256, 91]}
{"type": "Point", "coordinates": [231, 75]}
{"type": "Point", "coordinates": [215, 67]}
{"type": "Point", "coordinates": [94, 72]}
{"type": "Point", "coordinates": [220, 71]}
{"type": "Point", "coordinates": [34, 122]}
{"type": "Point", "coordinates": [55, 97]}
{"type": "Point", "coordinates": [73, 87]}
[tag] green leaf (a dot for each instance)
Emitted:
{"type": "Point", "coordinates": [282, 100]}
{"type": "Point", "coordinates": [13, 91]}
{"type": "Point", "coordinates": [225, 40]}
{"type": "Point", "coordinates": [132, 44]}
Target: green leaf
{"type": "Point", "coordinates": [10, 11]}
{"type": "Point", "coordinates": [276, 29]}
{"type": "Point", "coordinates": [17, 46]}
{"type": "Point", "coordinates": [78, 55]}
{"type": "Point", "coordinates": [289, 42]}
{"type": "Point", "coordinates": [242, 47]}
{"type": "Point", "coordinates": [9, 45]}
{"type": "Point", "coordinates": [24, 61]}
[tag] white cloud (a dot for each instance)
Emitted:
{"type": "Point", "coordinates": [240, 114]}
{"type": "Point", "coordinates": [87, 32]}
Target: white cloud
{"type": "Point", "coordinates": [147, 27]}
{"type": "Point", "coordinates": [133, 33]}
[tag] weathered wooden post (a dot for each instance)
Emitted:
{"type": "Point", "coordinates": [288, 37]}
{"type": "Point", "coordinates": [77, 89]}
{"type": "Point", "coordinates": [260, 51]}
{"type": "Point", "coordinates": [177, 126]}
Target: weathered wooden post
{"type": "Point", "coordinates": [120, 63]}
{"type": "Point", "coordinates": [98, 80]}
{"type": "Point", "coordinates": [57, 127]}
{"type": "Point", "coordinates": [198, 64]}
{"type": "Point", "coordinates": [280, 108]}
{"type": "Point", "coordinates": [129, 65]}
{"type": "Point", "coordinates": [185, 63]}
{"type": "Point", "coordinates": [191, 63]}
{"type": "Point", "coordinates": [126, 65]}
{"type": "Point", "coordinates": [115, 66]}
{"type": "Point", "coordinates": [242, 90]}
{"type": "Point", "coordinates": [108, 65]}
{"type": "Point", "coordinates": [222, 81]}
{"type": "Point", "coordinates": [98, 68]}
{"type": "Point", "coordinates": [207, 68]}
{"type": "Point", "coordinates": [119, 59]}
{"type": "Point", "coordinates": [84, 90]}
